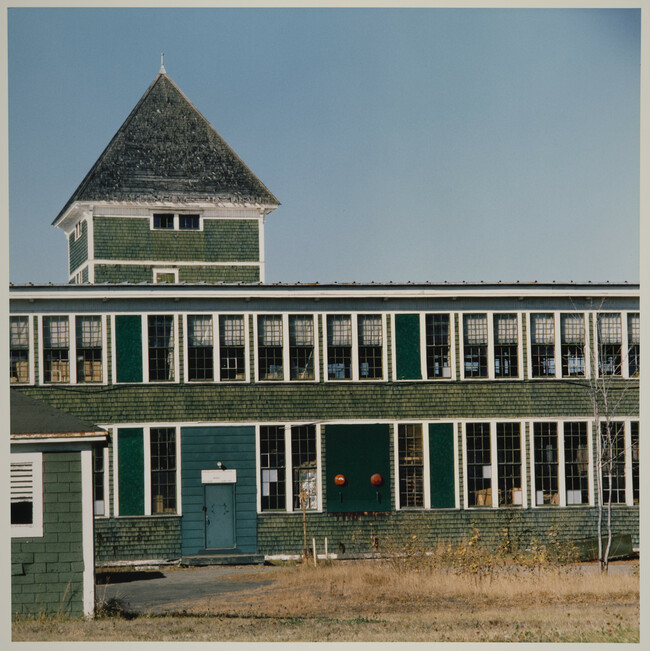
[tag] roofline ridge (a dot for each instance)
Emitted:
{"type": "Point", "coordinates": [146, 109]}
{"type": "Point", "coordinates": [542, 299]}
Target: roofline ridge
{"type": "Point", "coordinates": [225, 142]}
{"type": "Point", "coordinates": [112, 141]}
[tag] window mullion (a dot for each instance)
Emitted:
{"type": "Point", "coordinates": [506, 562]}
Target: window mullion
{"type": "Point", "coordinates": [426, 466]}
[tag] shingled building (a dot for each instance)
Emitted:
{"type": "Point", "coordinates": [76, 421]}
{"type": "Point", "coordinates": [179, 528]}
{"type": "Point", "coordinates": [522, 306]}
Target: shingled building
{"type": "Point", "coordinates": [379, 410]}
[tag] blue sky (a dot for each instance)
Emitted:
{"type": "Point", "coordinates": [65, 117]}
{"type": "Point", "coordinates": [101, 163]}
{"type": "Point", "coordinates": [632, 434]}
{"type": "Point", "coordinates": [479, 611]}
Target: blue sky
{"type": "Point", "coordinates": [404, 144]}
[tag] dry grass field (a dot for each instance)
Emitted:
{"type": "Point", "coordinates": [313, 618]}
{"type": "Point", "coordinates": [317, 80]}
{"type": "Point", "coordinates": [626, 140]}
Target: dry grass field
{"type": "Point", "coordinates": [389, 601]}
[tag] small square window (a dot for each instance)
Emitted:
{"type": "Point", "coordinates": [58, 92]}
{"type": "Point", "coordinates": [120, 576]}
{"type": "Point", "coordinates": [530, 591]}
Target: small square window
{"type": "Point", "coordinates": [163, 221]}
{"type": "Point", "coordinates": [188, 222]}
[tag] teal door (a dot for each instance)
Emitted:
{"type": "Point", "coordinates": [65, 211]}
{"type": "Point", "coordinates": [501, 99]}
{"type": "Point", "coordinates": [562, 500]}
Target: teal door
{"type": "Point", "coordinates": [219, 516]}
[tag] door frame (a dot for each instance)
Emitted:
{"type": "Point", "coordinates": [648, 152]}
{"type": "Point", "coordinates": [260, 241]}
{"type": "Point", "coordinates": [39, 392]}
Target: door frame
{"type": "Point", "coordinates": [220, 476]}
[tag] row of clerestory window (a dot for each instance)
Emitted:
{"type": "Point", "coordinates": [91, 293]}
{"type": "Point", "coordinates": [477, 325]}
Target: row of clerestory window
{"type": "Point", "coordinates": [73, 348]}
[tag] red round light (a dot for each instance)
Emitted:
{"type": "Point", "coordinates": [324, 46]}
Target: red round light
{"type": "Point", "coordinates": [339, 480]}
{"type": "Point", "coordinates": [376, 479]}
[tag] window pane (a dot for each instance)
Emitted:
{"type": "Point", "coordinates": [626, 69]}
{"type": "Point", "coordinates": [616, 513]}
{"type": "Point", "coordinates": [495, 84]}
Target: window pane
{"type": "Point", "coordinates": [188, 222]}
{"type": "Point", "coordinates": [301, 347]}
{"type": "Point", "coordinates": [509, 464]}
{"type": "Point", "coordinates": [161, 348]}
{"type": "Point", "coordinates": [165, 221]}
{"type": "Point", "coordinates": [475, 347]}
{"type": "Point", "coordinates": [609, 344]}
{"type": "Point", "coordinates": [200, 362]}
{"type": "Point", "coordinates": [232, 347]}
{"type": "Point", "coordinates": [339, 347]}
{"type": "Point", "coordinates": [633, 341]}
{"type": "Point", "coordinates": [437, 338]}
{"type": "Point", "coordinates": [479, 464]}
{"type": "Point", "coordinates": [573, 344]}
{"type": "Point", "coordinates": [546, 463]}
{"type": "Point", "coordinates": [303, 461]}
{"type": "Point", "coordinates": [163, 470]}
{"type": "Point", "coordinates": [542, 338]}
{"type": "Point", "coordinates": [576, 463]}
{"type": "Point", "coordinates": [89, 349]}
{"type": "Point", "coordinates": [98, 481]}
{"type": "Point", "coordinates": [270, 357]}
{"type": "Point", "coordinates": [505, 345]}
{"type": "Point", "coordinates": [370, 347]}
{"type": "Point", "coordinates": [612, 445]}
{"type": "Point", "coordinates": [411, 466]}
{"type": "Point", "coordinates": [272, 466]}
{"type": "Point", "coordinates": [19, 349]}
{"type": "Point", "coordinates": [56, 352]}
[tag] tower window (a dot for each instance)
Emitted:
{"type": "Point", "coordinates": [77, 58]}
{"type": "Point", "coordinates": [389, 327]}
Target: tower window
{"type": "Point", "coordinates": [163, 221]}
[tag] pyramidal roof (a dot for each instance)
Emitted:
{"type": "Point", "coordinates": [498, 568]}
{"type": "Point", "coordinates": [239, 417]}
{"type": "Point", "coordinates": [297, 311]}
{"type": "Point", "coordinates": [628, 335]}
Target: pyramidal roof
{"type": "Point", "coordinates": [167, 151]}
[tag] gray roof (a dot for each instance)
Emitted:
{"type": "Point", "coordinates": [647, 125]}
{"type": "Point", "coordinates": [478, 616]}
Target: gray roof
{"type": "Point", "coordinates": [167, 151]}
{"type": "Point", "coordinates": [30, 416]}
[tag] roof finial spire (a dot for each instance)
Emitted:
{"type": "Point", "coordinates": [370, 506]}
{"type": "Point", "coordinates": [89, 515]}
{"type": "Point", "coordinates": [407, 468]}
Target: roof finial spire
{"type": "Point", "coordinates": [162, 70]}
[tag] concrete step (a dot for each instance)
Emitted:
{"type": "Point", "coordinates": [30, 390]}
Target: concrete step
{"type": "Point", "coordinates": [226, 558]}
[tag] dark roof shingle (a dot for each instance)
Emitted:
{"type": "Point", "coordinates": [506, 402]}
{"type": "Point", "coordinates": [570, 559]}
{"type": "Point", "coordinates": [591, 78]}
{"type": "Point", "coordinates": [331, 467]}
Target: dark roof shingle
{"type": "Point", "coordinates": [167, 151]}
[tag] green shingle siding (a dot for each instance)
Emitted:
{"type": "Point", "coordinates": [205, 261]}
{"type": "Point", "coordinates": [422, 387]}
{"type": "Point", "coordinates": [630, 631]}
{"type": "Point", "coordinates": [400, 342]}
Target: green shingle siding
{"type": "Point", "coordinates": [56, 559]}
{"type": "Point", "coordinates": [222, 240]}
{"type": "Point", "coordinates": [360, 532]}
{"type": "Point", "coordinates": [189, 274]}
{"type": "Point", "coordinates": [321, 401]}
{"type": "Point", "coordinates": [79, 248]}
{"type": "Point", "coordinates": [140, 538]}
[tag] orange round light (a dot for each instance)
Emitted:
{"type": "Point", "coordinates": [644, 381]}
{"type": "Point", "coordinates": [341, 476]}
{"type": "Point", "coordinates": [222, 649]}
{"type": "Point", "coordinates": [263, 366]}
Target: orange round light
{"type": "Point", "coordinates": [376, 479]}
{"type": "Point", "coordinates": [339, 480]}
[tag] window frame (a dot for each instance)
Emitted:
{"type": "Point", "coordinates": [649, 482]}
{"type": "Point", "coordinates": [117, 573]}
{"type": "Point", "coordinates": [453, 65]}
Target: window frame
{"type": "Point", "coordinates": [628, 475]}
{"type": "Point", "coordinates": [286, 346]}
{"type": "Point", "coordinates": [354, 324]}
{"type": "Point", "coordinates": [561, 461]}
{"type": "Point", "coordinates": [72, 349]}
{"type": "Point", "coordinates": [145, 347]}
{"type": "Point", "coordinates": [162, 271]}
{"type": "Point", "coordinates": [216, 347]}
{"type": "Point", "coordinates": [289, 468]}
{"type": "Point", "coordinates": [176, 215]}
{"type": "Point", "coordinates": [106, 483]}
{"type": "Point", "coordinates": [427, 467]}
{"type": "Point", "coordinates": [146, 441]}
{"type": "Point", "coordinates": [35, 529]}
{"type": "Point", "coordinates": [490, 318]}
{"type": "Point", "coordinates": [624, 345]}
{"type": "Point", "coordinates": [30, 350]}
{"type": "Point", "coordinates": [494, 464]}
{"type": "Point", "coordinates": [557, 345]}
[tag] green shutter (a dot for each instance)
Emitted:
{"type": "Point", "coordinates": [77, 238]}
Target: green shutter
{"type": "Point", "coordinates": [357, 452]}
{"type": "Point", "coordinates": [130, 469]}
{"type": "Point", "coordinates": [128, 344]}
{"type": "Point", "coordinates": [407, 343]}
{"type": "Point", "coordinates": [441, 463]}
